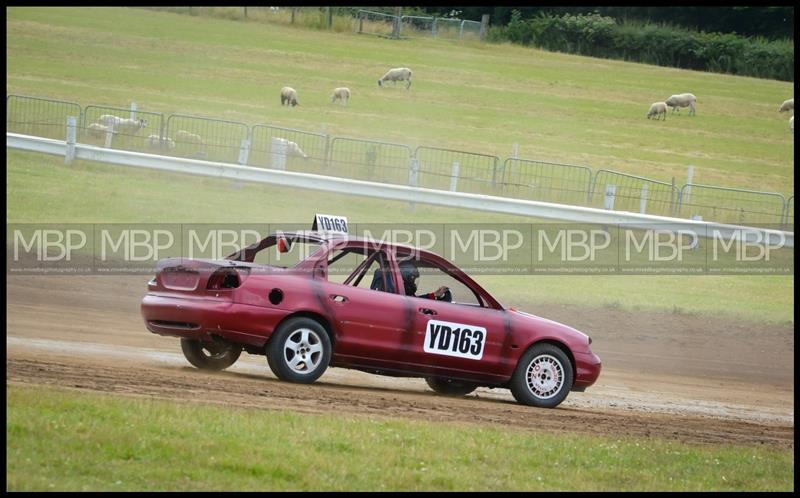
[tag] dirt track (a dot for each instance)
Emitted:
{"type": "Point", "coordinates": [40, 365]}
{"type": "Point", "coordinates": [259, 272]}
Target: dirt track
{"type": "Point", "coordinates": [670, 376]}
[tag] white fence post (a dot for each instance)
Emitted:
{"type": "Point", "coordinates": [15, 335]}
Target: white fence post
{"type": "Point", "coordinates": [244, 152]}
{"type": "Point", "coordinates": [109, 136]}
{"type": "Point", "coordinates": [71, 138]}
{"type": "Point", "coordinates": [608, 201]}
{"type": "Point", "coordinates": [278, 153]}
{"type": "Point", "coordinates": [413, 177]}
{"type": "Point", "coordinates": [689, 175]}
{"type": "Point", "coordinates": [133, 110]}
{"type": "Point", "coordinates": [454, 176]}
{"type": "Point", "coordinates": [643, 200]}
{"type": "Point", "coordinates": [512, 175]}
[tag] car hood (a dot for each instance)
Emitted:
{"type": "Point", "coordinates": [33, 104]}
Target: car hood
{"type": "Point", "coordinates": [551, 329]}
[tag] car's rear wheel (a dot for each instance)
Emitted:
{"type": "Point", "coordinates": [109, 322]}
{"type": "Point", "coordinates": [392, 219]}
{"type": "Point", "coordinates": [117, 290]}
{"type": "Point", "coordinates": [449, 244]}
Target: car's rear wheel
{"type": "Point", "coordinates": [450, 387]}
{"type": "Point", "coordinates": [543, 377]}
{"type": "Point", "coordinates": [299, 350]}
{"type": "Point", "coordinates": [210, 355]}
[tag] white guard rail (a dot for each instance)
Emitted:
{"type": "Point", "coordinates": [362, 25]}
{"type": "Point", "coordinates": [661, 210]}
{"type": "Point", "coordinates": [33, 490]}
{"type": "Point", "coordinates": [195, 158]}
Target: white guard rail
{"type": "Point", "coordinates": [517, 207]}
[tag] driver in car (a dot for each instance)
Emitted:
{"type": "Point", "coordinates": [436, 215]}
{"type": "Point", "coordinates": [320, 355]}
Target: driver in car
{"type": "Point", "coordinates": [410, 275]}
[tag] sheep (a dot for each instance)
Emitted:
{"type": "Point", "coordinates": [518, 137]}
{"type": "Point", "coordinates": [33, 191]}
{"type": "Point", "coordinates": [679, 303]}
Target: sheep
{"type": "Point", "coordinates": [682, 100]}
{"type": "Point", "coordinates": [188, 137]}
{"type": "Point", "coordinates": [791, 124]}
{"type": "Point", "coordinates": [341, 93]}
{"type": "Point", "coordinates": [157, 142]}
{"type": "Point", "coordinates": [397, 74]}
{"type": "Point", "coordinates": [656, 109]}
{"type": "Point", "coordinates": [97, 130]}
{"type": "Point", "coordinates": [787, 105]}
{"type": "Point", "coordinates": [292, 149]}
{"type": "Point", "coordinates": [121, 125]}
{"type": "Point", "coordinates": [289, 96]}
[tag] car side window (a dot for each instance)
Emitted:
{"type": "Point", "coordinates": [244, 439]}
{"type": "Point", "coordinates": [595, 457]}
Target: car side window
{"type": "Point", "coordinates": [366, 271]}
{"type": "Point", "coordinates": [432, 277]}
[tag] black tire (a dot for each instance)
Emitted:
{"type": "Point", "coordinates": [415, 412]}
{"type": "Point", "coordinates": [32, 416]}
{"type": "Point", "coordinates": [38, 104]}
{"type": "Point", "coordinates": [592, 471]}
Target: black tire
{"type": "Point", "coordinates": [450, 387]}
{"type": "Point", "coordinates": [299, 350]}
{"type": "Point", "coordinates": [210, 355]}
{"type": "Point", "coordinates": [548, 387]}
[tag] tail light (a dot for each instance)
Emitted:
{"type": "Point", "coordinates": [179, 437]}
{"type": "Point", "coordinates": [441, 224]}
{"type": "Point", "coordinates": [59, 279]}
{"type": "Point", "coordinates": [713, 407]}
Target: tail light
{"type": "Point", "coordinates": [226, 278]}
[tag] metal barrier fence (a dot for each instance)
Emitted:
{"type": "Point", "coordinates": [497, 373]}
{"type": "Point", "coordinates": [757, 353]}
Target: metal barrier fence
{"type": "Point", "coordinates": [205, 138]}
{"type": "Point", "coordinates": [624, 192]}
{"type": "Point", "coordinates": [469, 29]}
{"type": "Point", "coordinates": [375, 23]}
{"type": "Point", "coordinates": [448, 28]}
{"type": "Point", "coordinates": [455, 170]}
{"type": "Point", "coordinates": [735, 206]}
{"type": "Point", "coordinates": [549, 182]}
{"type": "Point", "coordinates": [369, 160]}
{"type": "Point", "coordinates": [417, 26]}
{"type": "Point", "coordinates": [269, 146]}
{"type": "Point", "coordinates": [288, 149]}
{"type": "Point", "coordinates": [121, 128]}
{"type": "Point", "coordinates": [39, 117]}
{"type": "Point", "coordinates": [391, 26]}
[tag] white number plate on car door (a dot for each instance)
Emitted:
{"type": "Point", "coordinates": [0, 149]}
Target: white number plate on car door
{"type": "Point", "coordinates": [455, 339]}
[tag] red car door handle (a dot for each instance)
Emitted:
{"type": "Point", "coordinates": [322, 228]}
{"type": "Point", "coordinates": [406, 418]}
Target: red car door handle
{"type": "Point", "coordinates": [427, 311]}
{"type": "Point", "coordinates": [337, 298]}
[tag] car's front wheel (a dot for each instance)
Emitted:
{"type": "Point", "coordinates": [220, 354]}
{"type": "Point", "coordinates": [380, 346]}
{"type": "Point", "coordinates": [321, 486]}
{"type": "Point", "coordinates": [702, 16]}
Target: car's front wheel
{"type": "Point", "coordinates": [450, 387]}
{"type": "Point", "coordinates": [299, 350]}
{"type": "Point", "coordinates": [543, 377]}
{"type": "Point", "coordinates": [210, 355]}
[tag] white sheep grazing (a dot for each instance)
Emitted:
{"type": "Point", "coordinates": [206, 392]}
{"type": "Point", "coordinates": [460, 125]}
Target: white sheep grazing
{"type": "Point", "coordinates": [156, 142]}
{"type": "Point", "coordinates": [188, 137]}
{"type": "Point", "coordinates": [289, 96]}
{"type": "Point", "coordinates": [97, 130]}
{"type": "Point", "coordinates": [787, 105]}
{"type": "Point", "coordinates": [656, 109]}
{"type": "Point", "coordinates": [341, 93]}
{"type": "Point", "coordinates": [395, 75]}
{"type": "Point", "coordinates": [122, 125]}
{"type": "Point", "coordinates": [682, 100]}
{"type": "Point", "coordinates": [292, 149]}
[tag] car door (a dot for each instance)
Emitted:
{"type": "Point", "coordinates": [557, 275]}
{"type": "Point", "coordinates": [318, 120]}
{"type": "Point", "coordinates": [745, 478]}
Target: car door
{"type": "Point", "coordinates": [460, 339]}
{"type": "Point", "coordinates": [371, 322]}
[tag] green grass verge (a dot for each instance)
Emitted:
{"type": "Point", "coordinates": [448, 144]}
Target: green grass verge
{"type": "Point", "coordinates": [41, 189]}
{"type": "Point", "coordinates": [72, 441]}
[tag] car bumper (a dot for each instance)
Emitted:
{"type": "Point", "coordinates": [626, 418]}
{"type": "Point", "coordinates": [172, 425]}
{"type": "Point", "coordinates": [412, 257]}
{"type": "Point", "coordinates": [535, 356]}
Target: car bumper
{"type": "Point", "coordinates": [203, 318]}
{"type": "Point", "coordinates": [587, 370]}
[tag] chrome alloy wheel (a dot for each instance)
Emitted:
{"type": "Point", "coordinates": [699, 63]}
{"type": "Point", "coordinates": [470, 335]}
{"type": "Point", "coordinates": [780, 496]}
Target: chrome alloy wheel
{"type": "Point", "coordinates": [545, 376]}
{"type": "Point", "coordinates": [302, 351]}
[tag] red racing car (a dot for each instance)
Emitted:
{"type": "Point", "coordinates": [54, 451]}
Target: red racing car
{"type": "Point", "coordinates": [350, 302]}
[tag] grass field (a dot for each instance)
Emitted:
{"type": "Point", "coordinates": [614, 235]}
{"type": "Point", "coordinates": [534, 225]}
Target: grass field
{"type": "Point", "coordinates": [476, 97]}
{"type": "Point", "coordinates": [92, 442]}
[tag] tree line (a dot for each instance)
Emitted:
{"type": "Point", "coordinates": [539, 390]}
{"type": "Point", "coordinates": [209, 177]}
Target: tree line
{"type": "Point", "coordinates": [773, 22]}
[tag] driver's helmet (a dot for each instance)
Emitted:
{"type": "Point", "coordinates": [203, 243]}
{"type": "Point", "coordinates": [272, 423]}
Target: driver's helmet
{"type": "Point", "coordinates": [410, 273]}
